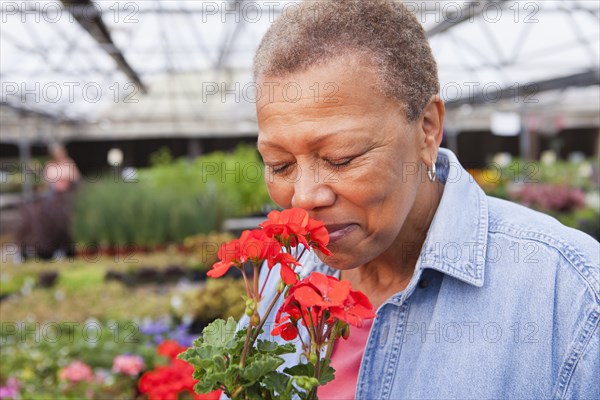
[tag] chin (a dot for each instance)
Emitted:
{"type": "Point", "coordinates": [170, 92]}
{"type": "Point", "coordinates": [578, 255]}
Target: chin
{"type": "Point", "coordinates": [337, 261]}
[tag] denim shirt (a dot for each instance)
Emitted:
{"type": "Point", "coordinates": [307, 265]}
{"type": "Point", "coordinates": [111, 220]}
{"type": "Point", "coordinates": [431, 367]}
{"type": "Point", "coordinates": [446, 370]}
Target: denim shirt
{"type": "Point", "coordinates": [504, 303]}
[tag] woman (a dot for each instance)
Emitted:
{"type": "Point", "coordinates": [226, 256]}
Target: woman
{"type": "Point", "coordinates": [476, 297]}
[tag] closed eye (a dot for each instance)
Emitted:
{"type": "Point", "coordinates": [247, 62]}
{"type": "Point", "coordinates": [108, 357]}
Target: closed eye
{"type": "Point", "coordinates": [340, 163]}
{"type": "Point", "coordinates": [279, 168]}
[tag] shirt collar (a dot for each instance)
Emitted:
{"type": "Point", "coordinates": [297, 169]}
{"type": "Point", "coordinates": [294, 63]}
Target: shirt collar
{"type": "Point", "coordinates": [457, 238]}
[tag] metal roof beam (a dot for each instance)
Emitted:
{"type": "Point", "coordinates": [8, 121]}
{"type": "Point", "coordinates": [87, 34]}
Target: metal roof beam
{"type": "Point", "coordinates": [28, 112]}
{"type": "Point", "coordinates": [230, 36]}
{"type": "Point", "coordinates": [583, 79]}
{"type": "Point", "coordinates": [96, 27]}
{"type": "Point", "coordinates": [471, 9]}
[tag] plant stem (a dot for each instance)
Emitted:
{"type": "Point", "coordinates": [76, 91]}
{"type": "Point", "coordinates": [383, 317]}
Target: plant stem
{"type": "Point", "coordinates": [264, 319]}
{"type": "Point", "coordinates": [255, 279]}
{"type": "Point", "coordinates": [246, 283]}
{"type": "Point", "coordinates": [248, 342]}
{"type": "Point", "coordinates": [246, 347]}
{"type": "Point", "coordinates": [331, 340]}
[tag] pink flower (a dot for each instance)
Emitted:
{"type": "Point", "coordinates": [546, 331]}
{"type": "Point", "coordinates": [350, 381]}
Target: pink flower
{"type": "Point", "coordinates": [11, 390]}
{"type": "Point", "coordinates": [128, 364]}
{"type": "Point", "coordinates": [76, 371]}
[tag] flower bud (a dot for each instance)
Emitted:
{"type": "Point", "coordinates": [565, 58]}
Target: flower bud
{"type": "Point", "coordinates": [254, 319]}
{"type": "Point", "coordinates": [280, 287]}
{"type": "Point", "coordinates": [312, 381]}
{"type": "Point", "coordinates": [313, 358]}
{"type": "Point", "coordinates": [345, 332]}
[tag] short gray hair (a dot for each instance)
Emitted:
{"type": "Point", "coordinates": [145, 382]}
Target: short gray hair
{"type": "Point", "coordinates": [320, 30]}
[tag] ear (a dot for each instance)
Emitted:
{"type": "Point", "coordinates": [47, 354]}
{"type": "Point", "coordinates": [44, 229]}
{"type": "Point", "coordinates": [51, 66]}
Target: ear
{"type": "Point", "coordinates": [431, 125]}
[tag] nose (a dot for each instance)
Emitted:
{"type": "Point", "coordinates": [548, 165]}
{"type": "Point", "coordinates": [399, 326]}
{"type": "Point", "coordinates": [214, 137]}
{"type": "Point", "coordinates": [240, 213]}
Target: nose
{"type": "Point", "coordinates": [311, 191]}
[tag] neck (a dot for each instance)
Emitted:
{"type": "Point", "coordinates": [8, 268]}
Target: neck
{"type": "Point", "coordinates": [391, 271]}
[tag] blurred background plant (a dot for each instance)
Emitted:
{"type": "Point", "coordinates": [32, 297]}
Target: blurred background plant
{"type": "Point", "coordinates": [67, 323]}
{"type": "Point", "coordinates": [147, 220]}
{"type": "Point", "coordinates": [171, 200]}
{"type": "Point", "coordinates": [567, 190]}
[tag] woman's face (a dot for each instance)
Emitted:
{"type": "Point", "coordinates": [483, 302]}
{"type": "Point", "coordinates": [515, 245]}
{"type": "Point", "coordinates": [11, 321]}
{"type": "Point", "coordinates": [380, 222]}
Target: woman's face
{"type": "Point", "coordinates": [344, 153]}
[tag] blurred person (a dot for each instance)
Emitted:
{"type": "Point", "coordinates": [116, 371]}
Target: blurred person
{"type": "Point", "coordinates": [60, 173]}
{"type": "Point", "coordinates": [45, 222]}
{"type": "Point", "coordinates": [476, 297]}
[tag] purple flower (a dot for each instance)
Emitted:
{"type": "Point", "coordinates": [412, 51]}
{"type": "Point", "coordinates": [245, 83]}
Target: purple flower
{"type": "Point", "coordinates": [157, 339]}
{"type": "Point", "coordinates": [153, 328]}
{"type": "Point", "coordinates": [181, 335]}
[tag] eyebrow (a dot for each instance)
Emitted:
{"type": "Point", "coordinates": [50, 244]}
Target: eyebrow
{"type": "Point", "coordinates": [312, 143]}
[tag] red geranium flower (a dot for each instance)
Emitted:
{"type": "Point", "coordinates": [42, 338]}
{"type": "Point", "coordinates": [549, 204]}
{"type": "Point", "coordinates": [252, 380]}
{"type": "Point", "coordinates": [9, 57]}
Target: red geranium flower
{"type": "Point", "coordinates": [254, 245]}
{"type": "Point", "coordinates": [321, 296]}
{"type": "Point", "coordinates": [168, 381]}
{"type": "Point", "coordinates": [323, 291]}
{"type": "Point", "coordinates": [355, 310]}
{"type": "Point", "coordinates": [287, 262]}
{"type": "Point", "coordinates": [170, 349]}
{"type": "Point", "coordinates": [288, 330]}
{"type": "Point", "coordinates": [289, 226]}
{"type": "Point", "coordinates": [318, 237]}
{"type": "Point", "coordinates": [293, 226]}
{"type": "Point", "coordinates": [230, 254]}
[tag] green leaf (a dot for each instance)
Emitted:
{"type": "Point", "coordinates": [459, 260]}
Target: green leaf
{"type": "Point", "coordinates": [327, 375]}
{"type": "Point", "coordinates": [259, 366]}
{"type": "Point", "coordinates": [189, 354]}
{"type": "Point", "coordinates": [208, 351]}
{"type": "Point", "coordinates": [278, 382]}
{"type": "Point", "coordinates": [219, 332]}
{"type": "Point", "coordinates": [254, 393]}
{"type": "Point", "coordinates": [219, 363]}
{"type": "Point", "coordinates": [301, 370]}
{"type": "Point", "coordinates": [205, 386]}
{"type": "Point", "coordinates": [265, 346]}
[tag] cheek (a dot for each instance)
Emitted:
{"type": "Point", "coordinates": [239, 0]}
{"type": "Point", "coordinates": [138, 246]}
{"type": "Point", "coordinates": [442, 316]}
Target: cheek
{"type": "Point", "coordinates": [280, 192]}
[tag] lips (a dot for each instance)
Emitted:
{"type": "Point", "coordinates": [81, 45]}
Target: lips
{"type": "Point", "coordinates": [339, 231]}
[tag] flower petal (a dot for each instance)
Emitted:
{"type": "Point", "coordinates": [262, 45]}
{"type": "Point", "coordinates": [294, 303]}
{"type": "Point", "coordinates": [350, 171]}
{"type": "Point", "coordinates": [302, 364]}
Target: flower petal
{"type": "Point", "coordinates": [308, 297]}
{"type": "Point", "coordinates": [219, 269]}
{"type": "Point", "coordinates": [288, 275]}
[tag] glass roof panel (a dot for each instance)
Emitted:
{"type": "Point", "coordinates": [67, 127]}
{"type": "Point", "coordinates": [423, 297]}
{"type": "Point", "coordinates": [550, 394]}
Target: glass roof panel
{"type": "Point", "coordinates": [175, 46]}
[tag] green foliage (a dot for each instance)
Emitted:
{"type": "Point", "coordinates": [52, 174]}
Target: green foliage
{"type": "Point", "coordinates": [80, 279]}
{"type": "Point", "coordinates": [204, 248]}
{"type": "Point", "coordinates": [108, 301]}
{"type": "Point", "coordinates": [216, 357]}
{"type": "Point", "coordinates": [15, 174]}
{"type": "Point", "coordinates": [34, 354]}
{"type": "Point", "coordinates": [80, 291]}
{"type": "Point", "coordinates": [112, 213]}
{"type": "Point", "coordinates": [161, 157]}
{"type": "Point", "coordinates": [237, 178]}
{"type": "Point", "coordinates": [219, 298]}
{"type": "Point", "coordinates": [171, 200]}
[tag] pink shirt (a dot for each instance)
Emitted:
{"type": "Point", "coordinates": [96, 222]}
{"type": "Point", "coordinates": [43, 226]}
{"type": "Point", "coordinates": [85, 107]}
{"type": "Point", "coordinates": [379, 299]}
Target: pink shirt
{"type": "Point", "coordinates": [346, 359]}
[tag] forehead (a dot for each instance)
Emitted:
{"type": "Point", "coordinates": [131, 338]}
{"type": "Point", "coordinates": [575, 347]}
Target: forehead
{"type": "Point", "coordinates": [340, 96]}
{"type": "Point", "coordinates": [339, 81]}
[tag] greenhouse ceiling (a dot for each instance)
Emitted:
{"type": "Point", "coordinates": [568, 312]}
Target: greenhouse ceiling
{"type": "Point", "coordinates": [172, 66]}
